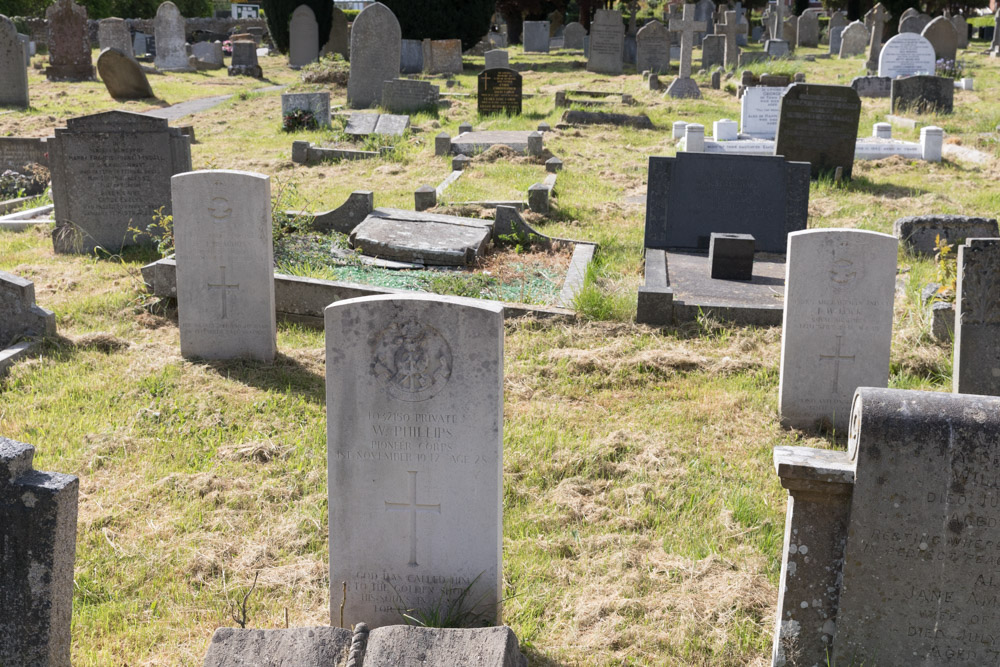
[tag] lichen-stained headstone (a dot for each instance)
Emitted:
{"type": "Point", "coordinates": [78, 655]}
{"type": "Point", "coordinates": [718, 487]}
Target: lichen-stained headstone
{"type": "Point", "coordinates": [976, 369]}
{"type": "Point", "coordinates": [69, 47]}
{"type": "Point", "coordinates": [13, 74]}
{"type": "Point", "coordinates": [376, 43]}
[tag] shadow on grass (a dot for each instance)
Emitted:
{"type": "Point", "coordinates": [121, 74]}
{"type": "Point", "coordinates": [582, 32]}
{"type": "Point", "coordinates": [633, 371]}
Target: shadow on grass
{"type": "Point", "coordinates": [284, 375]}
{"type": "Point", "coordinates": [537, 659]}
{"type": "Point", "coordinates": [863, 185]}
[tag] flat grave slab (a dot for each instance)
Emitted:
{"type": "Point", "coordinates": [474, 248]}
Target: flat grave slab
{"type": "Point", "coordinates": [363, 124]}
{"type": "Point", "coordinates": [421, 238]}
{"type": "Point", "coordinates": [470, 143]}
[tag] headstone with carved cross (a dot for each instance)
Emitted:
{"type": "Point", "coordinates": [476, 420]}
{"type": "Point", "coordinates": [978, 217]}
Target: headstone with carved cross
{"type": "Point", "coordinates": [225, 266]}
{"type": "Point", "coordinates": [837, 327]}
{"type": "Point", "coordinates": [414, 452]}
{"type": "Point", "coordinates": [731, 28]}
{"type": "Point", "coordinates": [875, 21]}
{"type": "Point", "coordinates": [684, 85]}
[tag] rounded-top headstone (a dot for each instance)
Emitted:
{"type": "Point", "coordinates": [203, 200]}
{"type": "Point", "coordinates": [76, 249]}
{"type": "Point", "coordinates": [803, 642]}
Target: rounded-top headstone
{"type": "Point", "coordinates": [171, 45]}
{"type": "Point", "coordinates": [303, 37]}
{"type": "Point", "coordinates": [122, 76]}
{"type": "Point", "coordinates": [906, 54]}
{"type": "Point", "coordinates": [13, 75]}
{"type": "Point", "coordinates": [942, 35]}
{"type": "Point", "coordinates": [376, 45]}
{"type": "Point", "coordinates": [69, 46]}
{"type": "Point", "coordinates": [113, 33]}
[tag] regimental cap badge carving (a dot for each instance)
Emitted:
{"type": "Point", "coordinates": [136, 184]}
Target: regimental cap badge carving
{"type": "Point", "coordinates": [411, 361]}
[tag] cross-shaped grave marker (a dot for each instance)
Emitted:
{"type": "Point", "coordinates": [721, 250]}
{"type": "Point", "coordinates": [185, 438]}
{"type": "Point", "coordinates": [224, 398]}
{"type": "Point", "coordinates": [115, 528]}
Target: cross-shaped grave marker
{"type": "Point", "coordinates": [731, 28]}
{"type": "Point", "coordinates": [683, 85]}
{"type": "Point", "coordinates": [412, 507]}
{"type": "Point", "coordinates": [879, 16]}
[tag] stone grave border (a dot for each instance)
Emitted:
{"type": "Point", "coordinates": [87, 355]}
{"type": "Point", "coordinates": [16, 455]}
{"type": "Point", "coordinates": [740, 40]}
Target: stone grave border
{"type": "Point", "coordinates": [594, 98]}
{"type": "Point", "coordinates": [307, 153]}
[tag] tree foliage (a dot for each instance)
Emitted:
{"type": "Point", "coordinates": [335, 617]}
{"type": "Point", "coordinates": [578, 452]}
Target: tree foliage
{"type": "Point", "coordinates": [515, 12]}
{"type": "Point", "coordinates": [102, 9]}
{"type": "Point", "coordinates": [279, 13]}
{"type": "Point", "coordinates": [468, 20]}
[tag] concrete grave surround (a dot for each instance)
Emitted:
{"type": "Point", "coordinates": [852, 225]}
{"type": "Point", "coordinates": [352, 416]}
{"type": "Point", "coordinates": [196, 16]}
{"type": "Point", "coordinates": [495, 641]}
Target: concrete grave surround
{"type": "Point", "coordinates": [607, 42]}
{"type": "Point", "coordinates": [573, 36]}
{"type": "Point", "coordinates": [919, 233]}
{"type": "Point", "coordinates": [403, 96]}
{"type": "Point", "coordinates": [171, 49]}
{"type": "Point", "coordinates": [653, 48]}
{"type": "Point", "coordinates": [415, 455]}
{"type": "Point", "coordinates": [113, 33]}
{"type": "Point", "coordinates": [13, 74]}
{"type": "Point", "coordinates": [766, 196]}
{"type": "Point", "coordinates": [20, 317]}
{"type": "Point", "coordinates": [362, 124]}
{"type": "Point", "coordinates": [470, 143]}
{"type": "Point", "coordinates": [122, 76]}
{"type": "Point", "coordinates": [976, 367]}
{"type": "Point", "coordinates": [819, 124]}
{"type": "Point", "coordinates": [760, 109]}
{"type": "Point", "coordinates": [225, 265]}
{"type": "Point", "coordinates": [496, 58]}
{"type": "Point", "coordinates": [303, 37]}
{"type": "Point", "coordinates": [943, 37]}
{"type": "Point", "coordinates": [209, 54]}
{"type": "Point", "coordinates": [499, 91]}
{"type": "Point", "coordinates": [906, 54]}
{"type": "Point", "coordinates": [69, 46]}
{"type": "Point", "coordinates": [535, 36]}
{"type": "Point", "coordinates": [925, 469]}
{"type": "Point", "coordinates": [38, 512]}
{"type": "Point", "coordinates": [375, 54]}
{"type": "Point", "coordinates": [317, 103]}
{"type": "Point", "coordinates": [339, 39]}
{"type": "Point", "coordinates": [110, 172]}
{"type": "Point", "coordinates": [837, 325]}
{"type": "Point", "coordinates": [922, 94]}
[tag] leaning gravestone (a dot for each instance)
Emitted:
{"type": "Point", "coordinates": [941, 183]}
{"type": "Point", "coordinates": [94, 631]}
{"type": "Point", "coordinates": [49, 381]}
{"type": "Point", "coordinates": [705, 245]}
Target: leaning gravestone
{"type": "Point", "coordinates": [922, 94]}
{"type": "Point", "coordinates": [919, 564]}
{"type": "Point", "coordinates": [110, 173]}
{"type": "Point", "coordinates": [113, 34]}
{"type": "Point", "coordinates": [415, 455]}
{"type": "Point", "coordinates": [496, 58]}
{"type": "Point", "coordinates": [244, 60]}
{"type": "Point", "coordinates": [122, 76]}
{"type": "Point", "coordinates": [171, 49]}
{"type": "Point", "coordinates": [573, 36]}
{"type": "Point", "coordinates": [13, 75]}
{"type": "Point", "coordinates": [760, 109]}
{"type": "Point", "coordinates": [906, 54]}
{"type": "Point", "coordinates": [303, 37]}
{"type": "Point", "coordinates": [38, 512]}
{"type": "Point", "coordinates": [339, 39]}
{"type": "Point", "coordinates": [977, 318]}
{"type": "Point", "coordinates": [941, 34]}
{"type": "Point", "coordinates": [837, 326]}
{"type": "Point", "coordinates": [375, 55]}
{"type": "Point", "coordinates": [535, 35]}
{"type": "Point", "coordinates": [819, 124]}
{"type": "Point", "coordinates": [766, 197]}
{"type": "Point", "coordinates": [652, 44]}
{"type": "Point", "coordinates": [499, 92]}
{"type": "Point", "coordinates": [607, 39]}
{"type": "Point", "coordinates": [69, 47]}
{"type": "Point", "coordinates": [225, 265]}
{"type": "Point", "coordinates": [853, 40]}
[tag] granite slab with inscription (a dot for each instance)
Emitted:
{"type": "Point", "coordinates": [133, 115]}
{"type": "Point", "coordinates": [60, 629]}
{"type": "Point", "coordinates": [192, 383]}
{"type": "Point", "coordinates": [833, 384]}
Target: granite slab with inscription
{"type": "Point", "coordinates": [499, 92]}
{"type": "Point", "coordinates": [818, 124]}
{"type": "Point", "coordinates": [760, 108]}
{"type": "Point", "coordinates": [415, 455]}
{"type": "Point", "coordinates": [376, 44]}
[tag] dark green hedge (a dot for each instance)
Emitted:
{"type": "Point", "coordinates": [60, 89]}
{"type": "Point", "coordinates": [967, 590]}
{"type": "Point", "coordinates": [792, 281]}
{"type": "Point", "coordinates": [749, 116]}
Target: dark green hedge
{"type": "Point", "coordinates": [467, 20]}
{"type": "Point", "coordinates": [279, 12]}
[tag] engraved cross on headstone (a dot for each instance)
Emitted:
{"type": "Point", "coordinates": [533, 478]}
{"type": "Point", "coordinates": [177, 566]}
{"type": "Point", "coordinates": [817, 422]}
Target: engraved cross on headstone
{"type": "Point", "coordinates": [687, 27]}
{"type": "Point", "coordinates": [731, 28]}
{"type": "Point", "coordinates": [837, 358]}
{"type": "Point", "coordinates": [225, 289]}
{"type": "Point", "coordinates": [412, 507]}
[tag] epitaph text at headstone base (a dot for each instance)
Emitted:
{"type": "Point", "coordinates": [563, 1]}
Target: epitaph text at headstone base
{"type": "Point", "coordinates": [375, 55]}
{"type": "Point", "coordinates": [13, 74]}
{"type": "Point", "coordinates": [837, 326]}
{"type": "Point", "coordinates": [976, 367]}
{"type": "Point", "coordinates": [499, 92]}
{"type": "Point", "coordinates": [819, 124]}
{"type": "Point", "coordinates": [225, 265]}
{"type": "Point", "coordinates": [760, 108]}
{"type": "Point", "coordinates": [607, 35]}
{"type": "Point", "coordinates": [110, 173]}
{"type": "Point", "coordinates": [69, 46]}
{"type": "Point", "coordinates": [414, 433]}
{"type": "Point", "coordinates": [919, 574]}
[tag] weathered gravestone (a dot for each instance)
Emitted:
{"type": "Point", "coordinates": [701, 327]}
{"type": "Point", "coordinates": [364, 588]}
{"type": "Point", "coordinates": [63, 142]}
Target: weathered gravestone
{"type": "Point", "coordinates": [976, 368]}
{"type": "Point", "coordinates": [535, 35]}
{"type": "Point", "coordinates": [920, 233]}
{"type": "Point", "coordinates": [961, 30]}
{"type": "Point", "coordinates": [607, 35]}
{"type": "Point", "coordinates": [684, 86]}
{"type": "Point", "coordinates": [875, 20]}
{"type": "Point", "coordinates": [499, 92]}
{"type": "Point", "coordinates": [760, 108]}
{"type": "Point", "coordinates": [713, 51]}
{"type": "Point", "coordinates": [110, 173]}
{"type": "Point", "coordinates": [375, 54]}
{"type": "Point", "coordinates": [415, 455]}
{"type": "Point", "coordinates": [37, 550]}
{"type": "Point", "coordinates": [171, 49]}
{"type": "Point", "coordinates": [244, 60]}
{"type": "Point", "coordinates": [69, 47]}
{"type": "Point", "coordinates": [731, 29]}
{"type": "Point", "coordinates": [573, 36]}
{"type": "Point", "coordinates": [303, 37]}
{"type": "Point", "coordinates": [208, 55]}
{"type": "Point", "coordinates": [497, 58]}
{"type": "Point", "coordinates": [403, 96]}
{"type": "Point", "coordinates": [919, 568]}
{"type": "Point", "coordinates": [942, 35]}
{"type": "Point", "coordinates": [704, 12]}
{"type": "Point", "coordinates": [922, 94]}
{"type": "Point", "coordinates": [18, 152]}
{"type": "Point", "coordinates": [339, 39]}
{"type": "Point", "coordinates": [914, 24]}
{"type": "Point", "coordinates": [113, 33]}
{"type": "Point", "coordinates": [442, 56]}
{"type": "Point", "coordinates": [421, 238]}
{"type": "Point", "coordinates": [837, 325]}
{"type": "Point", "coordinates": [225, 265]}
{"type": "Point", "coordinates": [766, 197]}
{"type": "Point", "coordinates": [853, 40]}
{"type": "Point", "coordinates": [807, 29]}
{"type": "Point", "coordinates": [907, 13]}
{"type": "Point", "coordinates": [906, 54]}
{"type": "Point", "coordinates": [836, 33]}
{"type": "Point", "coordinates": [139, 44]}
{"type": "Point", "coordinates": [13, 74]}
{"type": "Point", "coordinates": [123, 76]}
{"type": "Point", "coordinates": [872, 86]}
{"type": "Point", "coordinates": [819, 124]}
{"type": "Point", "coordinates": [411, 56]}
{"type": "Point", "coordinates": [653, 48]}
{"type": "Point", "coordinates": [316, 103]}
{"type": "Point", "coordinates": [19, 316]}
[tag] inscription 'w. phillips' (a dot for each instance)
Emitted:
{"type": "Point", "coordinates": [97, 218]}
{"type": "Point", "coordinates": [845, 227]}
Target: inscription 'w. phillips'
{"type": "Point", "coordinates": [412, 507]}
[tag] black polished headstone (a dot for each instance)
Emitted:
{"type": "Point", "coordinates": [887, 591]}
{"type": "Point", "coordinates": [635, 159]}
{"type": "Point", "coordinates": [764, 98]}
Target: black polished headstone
{"type": "Point", "coordinates": [818, 124]}
{"type": "Point", "coordinates": [499, 92]}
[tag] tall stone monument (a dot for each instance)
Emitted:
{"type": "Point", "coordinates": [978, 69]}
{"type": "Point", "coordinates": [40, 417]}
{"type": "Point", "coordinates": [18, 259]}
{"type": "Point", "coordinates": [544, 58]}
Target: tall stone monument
{"type": "Point", "coordinates": [684, 86]}
{"type": "Point", "coordinates": [976, 368]}
{"type": "Point", "coordinates": [69, 47]}
{"type": "Point", "coordinates": [171, 47]}
{"type": "Point", "coordinates": [875, 20]}
{"type": "Point", "coordinates": [415, 455]}
{"type": "Point", "coordinates": [13, 74]}
{"type": "Point", "coordinates": [376, 45]}
{"type": "Point", "coordinates": [732, 29]}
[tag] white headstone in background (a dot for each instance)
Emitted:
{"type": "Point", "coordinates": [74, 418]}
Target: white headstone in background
{"type": "Point", "coordinates": [760, 108]}
{"type": "Point", "coordinates": [906, 54]}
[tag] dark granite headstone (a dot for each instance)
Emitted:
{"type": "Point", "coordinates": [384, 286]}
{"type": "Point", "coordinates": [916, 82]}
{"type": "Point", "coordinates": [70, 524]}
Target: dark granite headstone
{"type": "Point", "coordinates": [695, 194]}
{"type": "Point", "coordinates": [244, 61]}
{"type": "Point", "coordinates": [18, 152]}
{"type": "Point", "coordinates": [408, 95]}
{"type": "Point", "coordinates": [499, 92]}
{"type": "Point", "coordinates": [69, 47]}
{"type": "Point", "coordinates": [919, 233]}
{"type": "Point", "coordinates": [818, 124]}
{"type": "Point", "coordinates": [110, 172]}
{"type": "Point", "coordinates": [872, 86]}
{"type": "Point", "coordinates": [923, 94]}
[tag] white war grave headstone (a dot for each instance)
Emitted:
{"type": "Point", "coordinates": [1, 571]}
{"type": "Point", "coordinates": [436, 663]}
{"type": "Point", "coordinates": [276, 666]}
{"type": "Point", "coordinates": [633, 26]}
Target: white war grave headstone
{"type": "Point", "coordinates": [906, 54]}
{"type": "Point", "coordinates": [760, 109]}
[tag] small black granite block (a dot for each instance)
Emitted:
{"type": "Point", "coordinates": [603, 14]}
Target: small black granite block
{"type": "Point", "coordinates": [731, 256]}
